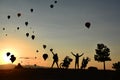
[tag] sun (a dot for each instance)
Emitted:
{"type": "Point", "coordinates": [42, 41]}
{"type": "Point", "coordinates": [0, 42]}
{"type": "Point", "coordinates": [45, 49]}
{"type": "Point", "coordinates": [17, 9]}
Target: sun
{"type": "Point", "coordinates": [6, 59]}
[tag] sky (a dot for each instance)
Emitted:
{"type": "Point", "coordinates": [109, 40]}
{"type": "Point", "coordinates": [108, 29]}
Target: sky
{"type": "Point", "coordinates": [61, 28]}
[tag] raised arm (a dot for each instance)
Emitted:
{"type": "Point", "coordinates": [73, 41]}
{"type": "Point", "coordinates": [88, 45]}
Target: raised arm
{"type": "Point", "coordinates": [52, 52]}
{"type": "Point", "coordinates": [73, 54]}
{"type": "Point", "coordinates": [81, 55]}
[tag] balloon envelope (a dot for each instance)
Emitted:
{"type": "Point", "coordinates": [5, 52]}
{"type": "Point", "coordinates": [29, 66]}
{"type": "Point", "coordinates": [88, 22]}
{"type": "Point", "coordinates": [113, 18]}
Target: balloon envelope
{"type": "Point", "coordinates": [3, 28]}
{"type": "Point", "coordinates": [37, 51]}
{"type": "Point", "coordinates": [35, 57]}
{"type": "Point", "coordinates": [5, 34]}
{"type": "Point", "coordinates": [45, 56]}
{"type": "Point", "coordinates": [8, 16]}
{"type": "Point", "coordinates": [27, 34]}
{"type": "Point", "coordinates": [44, 46]}
{"type": "Point", "coordinates": [13, 58]}
{"type": "Point", "coordinates": [18, 28]}
{"type": "Point", "coordinates": [31, 10]}
{"type": "Point", "coordinates": [26, 23]}
{"type": "Point", "coordinates": [87, 24]}
{"type": "Point", "coordinates": [33, 37]}
{"type": "Point", "coordinates": [19, 14]}
{"type": "Point", "coordinates": [35, 65]}
{"type": "Point", "coordinates": [55, 2]}
{"type": "Point", "coordinates": [8, 53]}
{"type": "Point", "coordinates": [51, 6]}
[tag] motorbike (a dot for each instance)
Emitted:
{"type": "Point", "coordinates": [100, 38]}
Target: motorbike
{"type": "Point", "coordinates": [66, 62]}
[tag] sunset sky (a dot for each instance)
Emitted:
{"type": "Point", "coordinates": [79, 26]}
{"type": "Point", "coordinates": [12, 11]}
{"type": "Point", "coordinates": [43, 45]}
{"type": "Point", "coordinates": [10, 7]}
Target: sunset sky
{"type": "Point", "coordinates": [61, 28]}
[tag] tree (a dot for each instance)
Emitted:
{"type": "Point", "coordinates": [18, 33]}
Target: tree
{"type": "Point", "coordinates": [116, 66]}
{"type": "Point", "coordinates": [102, 54]}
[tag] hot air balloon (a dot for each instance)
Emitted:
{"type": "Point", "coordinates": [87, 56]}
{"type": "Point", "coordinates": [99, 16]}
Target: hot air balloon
{"type": "Point", "coordinates": [3, 28]}
{"type": "Point", "coordinates": [18, 28]}
{"type": "Point", "coordinates": [13, 58]}
{"type": "Point", "coordinates": [27, 34]}
{"type": "Point", "coordinates": [44, 46]}
{"type": "Point", "coordinates": [8, 16]}
{"type": "Point", "coordinates": [37, 51]}
{"type": "Point", "coordinates": [55, 2]}
{"type": "Point", "coordinates": [19, 14]}
{"type": "Point", "coordinates": [45, 56]}
{"type": "Point", "coordinates": [33, 37]}
{"type": "Point", "coordinates": [8, 53]}
{"type": "Point", "coordinates": [26, 23]}
{"type": "Point", "coordinates": [87, 24]}
{"type": "Point", "coordinates": [35, 57]}
{"type": "Point", "coordinates": [31, 10]}
{"type": "Point", "coordinates": [51, 6]}
{"type": "Point", "coordinates": [5, 34]}
{"type": "Point", "coordinates": [51, 50]}
{"type": "Point", "coordinates": [35, 65]}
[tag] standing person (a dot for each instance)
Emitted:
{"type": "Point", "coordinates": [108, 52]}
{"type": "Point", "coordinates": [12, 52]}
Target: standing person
{"type": "Point", "coordinates": [55, 59]}
{"type": "Point", "coordinates": [76, 59]}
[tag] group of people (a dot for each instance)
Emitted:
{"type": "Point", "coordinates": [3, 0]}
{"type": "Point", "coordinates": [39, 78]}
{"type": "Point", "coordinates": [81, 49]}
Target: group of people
{"type": "Point", "coordinates": [68, 60]}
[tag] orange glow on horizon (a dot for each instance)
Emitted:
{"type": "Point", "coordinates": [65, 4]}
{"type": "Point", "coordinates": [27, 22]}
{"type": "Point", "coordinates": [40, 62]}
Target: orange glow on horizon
{"type": "Point", "coordinates": [21, 47]}
{"type": "Point", "coordinates": [16, 46]}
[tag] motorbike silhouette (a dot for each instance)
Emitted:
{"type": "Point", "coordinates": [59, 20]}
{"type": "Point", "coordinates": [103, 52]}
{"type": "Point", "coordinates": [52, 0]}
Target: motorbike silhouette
{"type": "Point", "coordinates": [66, 62]}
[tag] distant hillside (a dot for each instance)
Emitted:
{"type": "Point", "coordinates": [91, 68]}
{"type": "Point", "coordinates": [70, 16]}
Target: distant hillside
{"type": "Point", "coordinates": [12, 66]}
{"type": "Point", "coordinates": [7, 66]}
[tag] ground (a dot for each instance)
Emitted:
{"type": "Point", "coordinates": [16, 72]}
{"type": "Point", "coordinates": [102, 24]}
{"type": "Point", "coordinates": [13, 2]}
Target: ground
{"type": "Point", "coordinates": [58, 74]}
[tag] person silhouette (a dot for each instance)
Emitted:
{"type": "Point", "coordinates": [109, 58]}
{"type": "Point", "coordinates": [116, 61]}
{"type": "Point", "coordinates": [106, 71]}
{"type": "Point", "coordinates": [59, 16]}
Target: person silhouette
{"type": "Point", "coordinates": [76, 59]}
{"type": "Point", "coordinates": [55, 59]}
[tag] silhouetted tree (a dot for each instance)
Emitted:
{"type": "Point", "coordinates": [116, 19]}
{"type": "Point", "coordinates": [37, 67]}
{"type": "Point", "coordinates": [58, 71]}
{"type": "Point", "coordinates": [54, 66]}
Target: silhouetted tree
{"type": "Point", "coordinates": [116, 66]}
{"type": "Point", "coordinates": [102, 54]}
